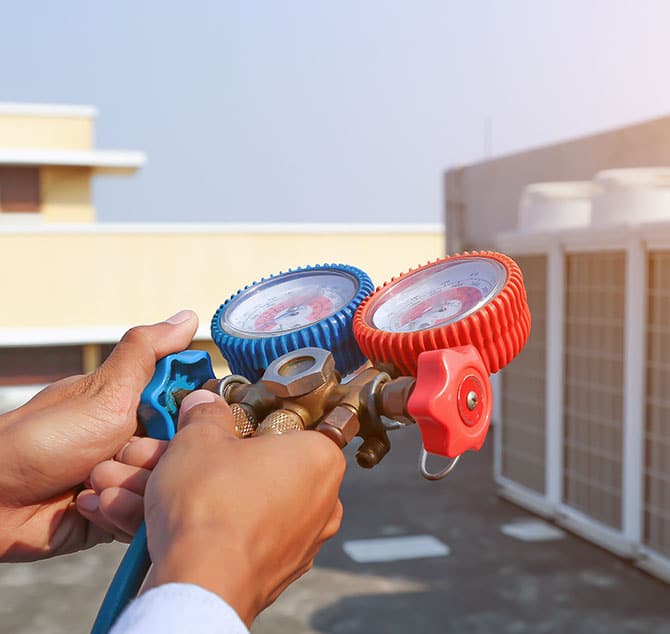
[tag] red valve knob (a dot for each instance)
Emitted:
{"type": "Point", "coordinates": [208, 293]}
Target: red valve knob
{"type": "Point", "coordinates": [452, 400]}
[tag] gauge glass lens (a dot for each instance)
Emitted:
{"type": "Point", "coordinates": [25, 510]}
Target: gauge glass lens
{"type": "Point", "coordinates": [289, 302]}
{"type": "Point", "coordinates": [437, 295]}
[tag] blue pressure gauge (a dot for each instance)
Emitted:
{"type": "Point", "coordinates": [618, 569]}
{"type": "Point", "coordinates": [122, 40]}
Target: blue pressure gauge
{"type": "Point", "coordinates": [306, 307]}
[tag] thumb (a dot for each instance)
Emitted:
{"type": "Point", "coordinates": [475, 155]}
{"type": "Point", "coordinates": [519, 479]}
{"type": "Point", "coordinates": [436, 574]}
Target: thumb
{"type": "Point", "coordinates": [132, 363]}
{"type": "Point", "coordinates": [203, 407]}
{"type": "Point", "coordinates": [62, 435]}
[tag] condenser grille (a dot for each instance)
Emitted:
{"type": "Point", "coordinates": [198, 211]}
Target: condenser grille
{"type": "Point", "coordinates": [523, 392]}
{"type": "Point", "coordinates": [594, 351]}
{"type": "Point", "coordinates": [657, 424]}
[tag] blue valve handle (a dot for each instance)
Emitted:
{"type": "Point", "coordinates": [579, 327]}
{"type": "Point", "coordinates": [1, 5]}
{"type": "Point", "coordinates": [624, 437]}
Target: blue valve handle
{"type": "Point", "coordinates": [158, 411]}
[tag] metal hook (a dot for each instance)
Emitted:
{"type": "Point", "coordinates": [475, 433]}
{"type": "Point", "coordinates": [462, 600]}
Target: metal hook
{"type": "Point", "coordinates": [440, 474]}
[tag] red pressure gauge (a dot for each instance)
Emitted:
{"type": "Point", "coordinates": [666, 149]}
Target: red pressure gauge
{"type": "Point", "coordinates": [470, 299]}
{"type": "Point", "coordinates": [449, 323]}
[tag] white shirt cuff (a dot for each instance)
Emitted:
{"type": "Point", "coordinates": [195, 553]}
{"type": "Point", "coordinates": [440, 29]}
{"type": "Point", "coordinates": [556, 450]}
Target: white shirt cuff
{"type": "Point", "coordinates": [177, 608]}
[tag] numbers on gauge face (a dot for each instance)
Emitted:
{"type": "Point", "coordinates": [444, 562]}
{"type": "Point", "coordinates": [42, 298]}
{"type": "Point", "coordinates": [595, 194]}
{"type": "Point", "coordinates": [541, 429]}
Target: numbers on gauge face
{"type": "Point", "coordinates": [439, 309]}
{"type": "Point", "coordinates": [296, 311]}
{"type": "Point", "coordinates": [438, 295]}
{"type": "Point", "coordinates": [288, 303]}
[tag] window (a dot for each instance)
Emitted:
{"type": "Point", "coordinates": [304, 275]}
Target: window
{"type": "Point", "coordinates": [19, 189]}
{"type": "Point", "coordinates": [31, 366]}
{"type": "Point", "coordinates": [25, 371]}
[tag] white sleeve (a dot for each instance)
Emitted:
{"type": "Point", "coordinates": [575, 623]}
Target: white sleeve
{"type": "Point", "coordinates": [175, 608]}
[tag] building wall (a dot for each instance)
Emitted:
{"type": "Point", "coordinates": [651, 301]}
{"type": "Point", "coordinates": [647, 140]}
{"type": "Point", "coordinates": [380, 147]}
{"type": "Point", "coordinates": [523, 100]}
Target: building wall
{"type": "Point", "coordinates": [66, 194]}
{"type": "Point", "coordinates": [481, 200]}
{"type": "Point", "coordinates": [93, 276]}
{"type": "Point", "coordinates": [54, 132]}
{"type": "Point", "coordinates": [32, 130]}
{"type": "Point", "coordinates": [80, 287]}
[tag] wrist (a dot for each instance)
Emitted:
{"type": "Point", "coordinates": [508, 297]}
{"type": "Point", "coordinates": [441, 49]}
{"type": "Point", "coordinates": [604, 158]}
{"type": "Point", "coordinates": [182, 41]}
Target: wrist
{"type": "Point", "coordinates": [222, 572]}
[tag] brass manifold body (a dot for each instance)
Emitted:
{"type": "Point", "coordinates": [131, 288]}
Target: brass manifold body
{"type": "Point", "coordinates": [303, 390]}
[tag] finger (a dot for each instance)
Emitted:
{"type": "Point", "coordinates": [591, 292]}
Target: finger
{"type": "Point", "coordinates": [142, 452]}
{"type": "Point", "coordinates": [132, 363]}
{"type": "Point", "coordinates": [93, 420]}
{"type": "Point", "coordinates": [122, 508]}
{"type": "Point", "coordinates": [110, 474]}
{"type": "Point", "coordinates": [325, 453]}
{"type": "Point", "coordinates": [205, 407]}
{"type": "Point", "coordinates": [98, 535]}
{"type": "Point", "coordinates": [333, 524]}
{"type": "Point", "coordinates": [88, 506]}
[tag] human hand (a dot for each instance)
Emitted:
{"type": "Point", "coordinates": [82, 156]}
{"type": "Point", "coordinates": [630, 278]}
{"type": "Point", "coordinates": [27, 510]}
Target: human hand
{"type": "Point", "coordinates": [49, 446]}
{"type": "Point", "coordinates": [115, 499]}
{"type": "Point", "coordinates": [241, 518]}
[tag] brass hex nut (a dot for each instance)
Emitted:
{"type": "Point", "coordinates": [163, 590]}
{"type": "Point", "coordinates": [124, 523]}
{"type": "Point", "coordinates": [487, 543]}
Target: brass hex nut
{"type": "Point", "coordinates": [394, 397]}
{"type": "Point", "coordinates": [340, 425]}
{"type": "Point", "coordinates": [299, 372]}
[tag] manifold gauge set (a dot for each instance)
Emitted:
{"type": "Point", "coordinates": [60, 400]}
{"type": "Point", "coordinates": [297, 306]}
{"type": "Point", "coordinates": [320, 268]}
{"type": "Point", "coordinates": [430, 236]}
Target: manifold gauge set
{"type": "Point", "coordinates": [318, 348]}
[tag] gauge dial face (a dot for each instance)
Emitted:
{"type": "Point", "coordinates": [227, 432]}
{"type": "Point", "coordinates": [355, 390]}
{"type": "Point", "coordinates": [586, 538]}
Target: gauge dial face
{"type": "Point", "coordinates": [437, 295]}
{"type": "Point", "coordinates": [289, 302]}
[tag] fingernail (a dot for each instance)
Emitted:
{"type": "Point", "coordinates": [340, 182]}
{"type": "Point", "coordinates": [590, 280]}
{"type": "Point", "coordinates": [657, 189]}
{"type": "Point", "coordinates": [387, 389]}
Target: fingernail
{"type": "Point", "coordinates": [180, 317]}
{"type": "Point", "coordinates": [197, 398]}
{"type": "Point", "coordinates": [120, 453]}
{"type": "Point", "coordinates": [88, 503]}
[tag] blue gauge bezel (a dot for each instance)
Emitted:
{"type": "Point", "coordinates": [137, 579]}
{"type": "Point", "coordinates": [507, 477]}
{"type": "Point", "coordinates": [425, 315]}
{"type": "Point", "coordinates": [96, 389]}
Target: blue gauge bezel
{"type": "Point", "coordinates": [249, 354]}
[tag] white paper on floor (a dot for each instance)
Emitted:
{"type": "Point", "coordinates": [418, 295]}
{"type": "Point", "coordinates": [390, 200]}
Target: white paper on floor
{"type": "Point", "coordinates": [532, 531]}
{"type": "Point", "coordinates": [395, 548]}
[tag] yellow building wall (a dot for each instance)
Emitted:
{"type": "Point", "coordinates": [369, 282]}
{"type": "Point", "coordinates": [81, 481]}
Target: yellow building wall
{"type": "Point", "coordinates": [66, 194]}
{"type": "Point", "coordinates": [92, 356]}
{"type": "Point", "coordinates": [59, 132]}
{"type": "Point", "coordinates": [87, 277]}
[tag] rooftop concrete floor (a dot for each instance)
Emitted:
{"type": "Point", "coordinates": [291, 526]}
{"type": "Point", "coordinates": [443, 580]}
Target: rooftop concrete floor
{"type": "Point", "coordinates": [488, 583]}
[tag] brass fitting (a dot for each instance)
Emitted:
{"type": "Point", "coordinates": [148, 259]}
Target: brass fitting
{"type": "Point", "coordinates": [299, 372]}
{"type": "Point", "coordinates": [341, 425]}
{"type": "Point", "coordinates": [302, 390]}
{"type": "Point", "coordinates": [371, 452]}
{"type": "Point", "coordinates": [393, 397]}
{"type": "Point", "coordinates": [279, 422]}
{"type": "Point", "coordinates": [245, 422]}
{"type": "Point", "coordinates": [255, 398]}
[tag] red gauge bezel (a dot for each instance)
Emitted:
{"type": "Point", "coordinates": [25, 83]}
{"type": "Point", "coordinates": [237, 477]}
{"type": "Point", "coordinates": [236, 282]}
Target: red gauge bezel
{"type": "Point", "coordinates": [498, 329]}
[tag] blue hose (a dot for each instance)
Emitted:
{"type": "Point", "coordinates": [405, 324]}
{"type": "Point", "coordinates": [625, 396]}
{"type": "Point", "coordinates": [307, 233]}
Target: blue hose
{"type": "Point", "coordinates": [158, 411]}
{"type": "Point", "coordinates": [126, 582]}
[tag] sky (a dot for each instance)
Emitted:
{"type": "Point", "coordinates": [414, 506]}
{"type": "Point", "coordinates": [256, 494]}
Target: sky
{"type": "Point", "coordinates": [333, 110]}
